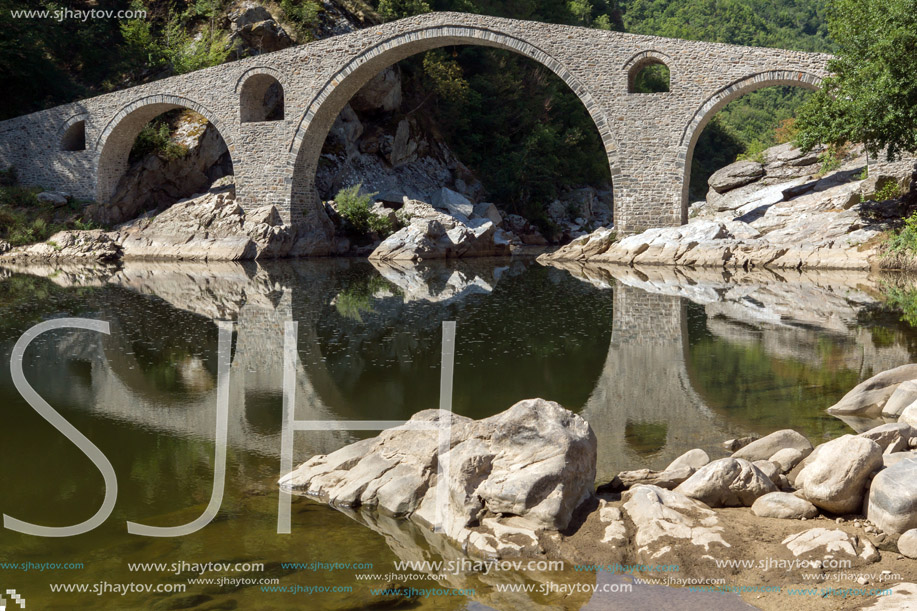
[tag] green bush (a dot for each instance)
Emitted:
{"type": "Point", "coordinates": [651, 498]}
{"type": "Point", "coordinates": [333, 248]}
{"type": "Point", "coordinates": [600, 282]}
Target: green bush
{"type": "Point", "coordinates": [356, 210]}
{"type": "Point", "coordinates": [156, 138]}
{"type": "Point", "coordinates": [904, 241]}
{"type": "Point", "coordinates": [890, 190]}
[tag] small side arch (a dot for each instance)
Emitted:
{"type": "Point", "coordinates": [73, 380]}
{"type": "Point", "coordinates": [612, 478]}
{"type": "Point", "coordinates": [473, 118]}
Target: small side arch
{"type": "Point", "coordinates": [640, 61]}
{"type": "Point", "coordinates": [72, 134]}
{"type": "Point", "coordinates": [261, 95]}
{"type": "Point", "coordinates": [703, 115]}
{"type": "Point", "coordinates": [114, 144]}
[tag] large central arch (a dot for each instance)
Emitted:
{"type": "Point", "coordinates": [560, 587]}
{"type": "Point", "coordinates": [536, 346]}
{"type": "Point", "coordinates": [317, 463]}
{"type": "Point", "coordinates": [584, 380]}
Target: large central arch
{"type": "Point", "coordinates": [322, 110]}
{"type": "Point", "coordinates": [713, 104]}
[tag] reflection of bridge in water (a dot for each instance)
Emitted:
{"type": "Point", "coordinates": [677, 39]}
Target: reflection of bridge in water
{"type": "Point", "coordinates": [644, 407]}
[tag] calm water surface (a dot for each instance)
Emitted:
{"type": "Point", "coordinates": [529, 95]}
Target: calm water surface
{"type": "Point", "coordinates": [658, 362]}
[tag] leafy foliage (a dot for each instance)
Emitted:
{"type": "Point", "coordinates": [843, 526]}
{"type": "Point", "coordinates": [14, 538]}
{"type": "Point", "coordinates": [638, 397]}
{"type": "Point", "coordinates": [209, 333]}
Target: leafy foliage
{"type": "Point", "coordinates": [652, 79]}
{"type": "Point", "coordinates": [904, 240]}
{"type": "Point", "coordinates": [156, 138]}
{"type": "Point", "coordinates": [872, 95]}
{"type": "Point", "coordinates": [356, 210]}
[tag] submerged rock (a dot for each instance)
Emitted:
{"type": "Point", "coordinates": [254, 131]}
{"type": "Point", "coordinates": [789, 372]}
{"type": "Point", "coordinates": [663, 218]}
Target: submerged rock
{"type": "Point", "coordinates": [868, 398]}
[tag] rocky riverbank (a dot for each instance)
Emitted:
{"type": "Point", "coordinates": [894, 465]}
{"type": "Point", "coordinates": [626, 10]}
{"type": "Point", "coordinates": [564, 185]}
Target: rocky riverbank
{"type": "Point", "coordinates": [760, 512]}
{"type": "Point", "coordinates": [784, 211]}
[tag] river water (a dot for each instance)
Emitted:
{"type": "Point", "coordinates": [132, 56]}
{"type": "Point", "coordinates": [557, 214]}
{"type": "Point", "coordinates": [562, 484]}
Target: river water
{"type": "Point", "coordinates": [657, 361]}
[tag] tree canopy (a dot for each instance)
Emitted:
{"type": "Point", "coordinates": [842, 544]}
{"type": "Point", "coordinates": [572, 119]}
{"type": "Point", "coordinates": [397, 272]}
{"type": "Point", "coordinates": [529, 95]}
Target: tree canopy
{"type": "Point", "coordinates": [871, 96]}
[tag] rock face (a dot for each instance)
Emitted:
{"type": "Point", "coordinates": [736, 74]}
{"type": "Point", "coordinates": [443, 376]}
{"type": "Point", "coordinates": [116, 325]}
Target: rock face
{"type": "Point", "coordinates": [728, 482]}
{"type": "Point", "coordinates": [783, 505]}
{"type": "Point", "coordinates": [892, 504]}
{"type": "Point", "coordinates": [818, 543]}
{"type": "Point", "coordinates": [535, 461]}
{"type": "Point", "coordinates": [835, 475]}
{"type": "Point", "coordinates": [868, 398]}
{"type": "Point", "coordinates": [670, 524]}
{"type": "Point", "coordinates": [766, 447]}
{"type": "Point", "coordinates": [776, 215]}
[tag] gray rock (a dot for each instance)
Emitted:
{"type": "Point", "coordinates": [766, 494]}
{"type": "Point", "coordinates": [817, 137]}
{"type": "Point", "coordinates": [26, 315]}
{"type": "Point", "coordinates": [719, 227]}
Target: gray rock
{"type": "Point", "coordinates": [382, 92]}
{"type": "Point", "coordinates": [55, 198]}
{"type": "Point", "coordinates": [783, 505]}
{"type": "Point", "coordinates": [892, 504]}
{"type": "Point", "coordinates": [488, 211]}
{"type": "Point", "coordinates": [668, 479]}
{"type": "Point", "coordinates": [892, 436]}
{"type": "Point", "coordinates": [890, 459]}
{"type": "Point", "coordinates": [835, 475]}
{"type": "Point", "coordinates": [907, 543]}
{"type": "Point", "coordinates": [909, 415]}
{"type": "Point", "coordinates": [728, 482]}
{"type": "Point", "coordinates": [868, 398]}
{"type": "Point", "coordinates": [768, 468]}
{"type": "Point", "coordinates": [452, 202]}
{"type": "Point", "coordinates": [695, 459]}
{"type": "Point", "coordinates": [764, 448]}
{"type": "Point", "coordinates": [735, 175]}
{"type": "Point", "coordinates": [787, 459]}
{"type": "Point", "coordinates": [904, 395]}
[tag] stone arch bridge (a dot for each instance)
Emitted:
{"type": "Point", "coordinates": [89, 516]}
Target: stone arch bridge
{"type": "Point", "coordinates": [649, 137]}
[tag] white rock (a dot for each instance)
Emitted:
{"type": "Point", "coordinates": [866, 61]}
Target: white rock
{"type": "Point", "coordinates": [820, 542]}
{"type": "Point", "coordinates": [907, 543]}
{"type": "Point", "coordinates": [728, 482]}
{"type": "Point", "coordinates": [764, 448]}
{"type": "Point", "coordinates": [834, 476]}
{"type": "Point", "coordinates": [783, 505]}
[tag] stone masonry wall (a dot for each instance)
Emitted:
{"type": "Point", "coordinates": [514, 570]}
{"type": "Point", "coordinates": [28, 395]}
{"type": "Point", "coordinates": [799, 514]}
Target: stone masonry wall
{"type": "Point", "coordinates": [649, 138]}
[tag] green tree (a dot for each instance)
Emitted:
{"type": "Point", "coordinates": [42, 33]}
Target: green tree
{"type": "Point", "coordinates": [396, 9]}
{"type": "Point", "coordinates": [871, 96]}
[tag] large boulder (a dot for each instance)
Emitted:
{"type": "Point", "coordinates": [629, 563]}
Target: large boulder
{"type": "Point", "coordinates": [535, 461]}
{"type": "Point", "coordinates": [783, 505]}
{"type": "Point", "coordinates": [835, 475]}
{"type": "Point", "coordinates": [728, 482]}
{"type": "Point", "coordinates": [892, 504]}
{"type": "Point", "coordinates": [766, 447]}
{"type": "Point", "coordinates": [868, 398]}
{"type": "Point", "coordinates": [735, 175]}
